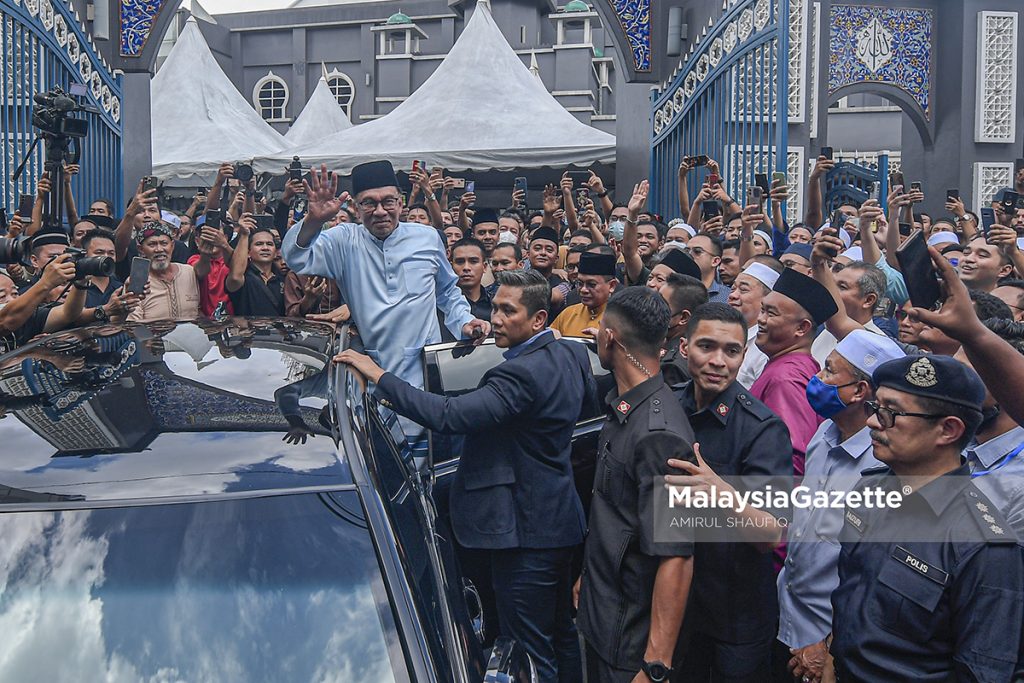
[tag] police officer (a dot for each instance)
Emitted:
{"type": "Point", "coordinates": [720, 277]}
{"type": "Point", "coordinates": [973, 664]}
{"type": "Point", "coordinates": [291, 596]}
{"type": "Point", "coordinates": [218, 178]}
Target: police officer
{"type": "Point", "coordinates": [733, 610]}
{"type": "Point", "coordinates": [634, 586]}
{"type": "Point", "coordinates": [932, 590]}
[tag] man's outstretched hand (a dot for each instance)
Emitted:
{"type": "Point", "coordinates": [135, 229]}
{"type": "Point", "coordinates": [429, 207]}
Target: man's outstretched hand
{"type": "Point", "coordinates": [321, 189]}
{"type": "Point", "coordinates": [957, 317]}
{"type": "Point", "coordinates": [477, 330]}
{"type": "Point", "coordinates": [361, 363]}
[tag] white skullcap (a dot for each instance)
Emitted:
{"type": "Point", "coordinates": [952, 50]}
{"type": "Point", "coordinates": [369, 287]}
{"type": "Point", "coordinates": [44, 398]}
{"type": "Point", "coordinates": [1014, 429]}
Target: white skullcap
{"type": "Point", "coordinates": [762, 273]}
{"type": "Point", "coordinates": [943, 237]}
{"type": "Point", "coordinates": [168, 217]}
{"type": "Point", "coordinates": [685, 226]}
{"type": "Point", "coordinates": [854, 254]}
{"type": "Point", "coordinates": [765, 236]}
{"type": "Point", "coordinates": [866, 350]}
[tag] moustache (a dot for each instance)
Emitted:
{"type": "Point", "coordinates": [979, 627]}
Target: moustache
{"type": "Point", "coordinates": [880, 437]}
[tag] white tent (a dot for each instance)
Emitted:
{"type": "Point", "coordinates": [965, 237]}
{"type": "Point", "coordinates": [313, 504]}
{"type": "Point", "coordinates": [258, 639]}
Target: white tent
{"type": "Point", "coordinates": [199, 117]}
{"type": "Point", "coordinates": [320, 118]}
{"type": "Point", "coordinates": [481, 109]}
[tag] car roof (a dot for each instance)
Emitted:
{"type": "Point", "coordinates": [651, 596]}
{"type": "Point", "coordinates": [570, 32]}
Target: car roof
{"type": "Point", "coordinates": [152, 412]}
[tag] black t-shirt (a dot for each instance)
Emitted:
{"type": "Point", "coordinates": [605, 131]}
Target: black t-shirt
{"type": "Point", "coordinates": [33, 326]}
{"type": "Point", "coordinates": [256, 297]}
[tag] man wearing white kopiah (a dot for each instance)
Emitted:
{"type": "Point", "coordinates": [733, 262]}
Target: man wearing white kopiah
{"type": "Point", "coordinates": [393, 275]}
{"type": "Point", "coordinates": [836, 455]}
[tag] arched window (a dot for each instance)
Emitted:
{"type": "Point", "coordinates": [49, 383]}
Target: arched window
{"type": "Point", "coordinates": [343, 90]}
{"type": "Point", "coordinates": [270, 96]}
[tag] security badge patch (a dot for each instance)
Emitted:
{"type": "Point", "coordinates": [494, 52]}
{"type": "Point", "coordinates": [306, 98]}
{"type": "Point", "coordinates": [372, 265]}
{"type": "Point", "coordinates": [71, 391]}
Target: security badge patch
{"type": "Point", "coordinates": [723, 409]}
{"type": "Point", "coordinates": [922, 374]}
{"type": "Point", "coordinates": [931, 572]}
{"type": "Point", "coordinates": [623, 407]}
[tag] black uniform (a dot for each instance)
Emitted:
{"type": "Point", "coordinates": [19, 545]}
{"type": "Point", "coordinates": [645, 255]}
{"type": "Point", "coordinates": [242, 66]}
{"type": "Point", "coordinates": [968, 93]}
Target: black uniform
{"type": "Point", "coordinates": [674, 366]}
{"type": "Point", "coordinates": [644, 428]}
{"type": "Point", "coordinates": [929, 611]}
{"type": "Point", "coordinates": [734, 609]}
{"type": "Point", "coordinates": [257, 296]}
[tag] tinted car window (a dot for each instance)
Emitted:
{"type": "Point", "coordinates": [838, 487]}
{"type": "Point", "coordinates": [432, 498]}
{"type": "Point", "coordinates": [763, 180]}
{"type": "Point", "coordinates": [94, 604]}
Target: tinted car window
{"type": "Point", "coordinates": [282, 588]}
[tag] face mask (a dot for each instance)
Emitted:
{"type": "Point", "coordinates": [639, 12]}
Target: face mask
{"type": "Point", "coordinates": [824, 398]}
{"type": "Point", "coordinates": [617, 229]}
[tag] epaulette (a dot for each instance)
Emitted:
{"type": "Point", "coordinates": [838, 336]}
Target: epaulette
{"type": "Point", "coordinates": [754, 406]}
{"type": "Point", "coordinates": [993, 526]}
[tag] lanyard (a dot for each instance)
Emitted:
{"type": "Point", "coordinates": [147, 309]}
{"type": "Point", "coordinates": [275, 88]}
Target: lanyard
{"type": "Point", "coordinates": [1009, 456]}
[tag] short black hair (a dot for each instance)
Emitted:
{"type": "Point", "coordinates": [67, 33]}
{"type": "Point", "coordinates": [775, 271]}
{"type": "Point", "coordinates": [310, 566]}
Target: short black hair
{"type": "Point", "coordinates": [516, 249]}
{"type": "Point", "coordinates": [731, 217]}
{"type": "Point", "coordinates": [600, 248]}
{"type": "Point", "coordinates": [989, 306]}
{"type": "Point", "coordinates": [580, 233]}
{"type": "Point", "coordinates": [512, 213]}
{"type": "Point", "coordinates": [106, 202]}
{"type": "Point", "coordinates": [685, 293]}
{"type": "Point", "coordinates": [97, 233]}
{"type": "Point", "coordinates": [969, 416]}
{"type": "Point", "coordinates": [470, 242]}
{"type": "Point", "coordinates": [578, 249]}
{"type": "Point", "coordinates": [535, 292]}
{"type": "Point", "coordinates": [718, 312]}
{"type": "Point", "coordinates": [1010, 331]}
{"type": "Point", "coordinates": [730, 244]}
{"type": "Point", "coordinates": [660, 227]}
{"type": "Point", "coordinates": [641, 317]}
{"type": "Point", "coordinates": [770, 261]}
{"type": "Point", "coordinates": [418, 205]}
{"type": "Point", "coordinates": [716, 243]}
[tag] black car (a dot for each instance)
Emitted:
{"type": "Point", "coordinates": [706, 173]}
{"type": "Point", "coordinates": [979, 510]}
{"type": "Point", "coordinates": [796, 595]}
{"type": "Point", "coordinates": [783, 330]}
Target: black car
{"type": "Point", "coordinates": [215, 501]}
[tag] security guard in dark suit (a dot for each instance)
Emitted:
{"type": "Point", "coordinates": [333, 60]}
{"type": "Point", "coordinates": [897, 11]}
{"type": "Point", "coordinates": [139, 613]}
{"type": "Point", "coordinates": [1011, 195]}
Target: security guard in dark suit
{"type": "Point", "coordinates": [932, 590]}
{"type": "Point", "coordinates": [513, 494]}
{"type": "Point", "coordinates": [731, 620]}
{"type": "Point", "coordinates": [633, 589]}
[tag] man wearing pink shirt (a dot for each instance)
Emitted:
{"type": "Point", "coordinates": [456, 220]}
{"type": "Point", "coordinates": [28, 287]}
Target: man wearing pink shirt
{"type": "Point", "coordinates": [790, 316]}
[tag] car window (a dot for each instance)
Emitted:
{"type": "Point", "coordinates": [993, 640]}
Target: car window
{"type": "Point", "coordinates": [282, 588]}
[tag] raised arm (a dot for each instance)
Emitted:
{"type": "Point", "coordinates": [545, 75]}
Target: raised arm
{"type": "Point", "coordinates": [896, 201]}
{"type": "Point", "coordinates": [70, 209]}
{"type": "Point", "coordinates": [568, 203]}
{"type": "Point", "coordinates": [684, 193]}
{"type": "Point", "coordinates": [827, 247]}
{"type": "Point", "coordinates": [753, 216]}
{"type": "Point", "coordinates": [226, 170]}
{"type": "Point", "coordinates": [870, 212]}
{"type": "Point", "coordinates": [123, 235]}
{"type": "Point", "coordinates": [597, 189]}
{"type": "Point", "coordinates": [630, 244]}
{"type": "Point", "coordinates": [240, 259]}
{"type": "Point", "coordinates": [814, 214]}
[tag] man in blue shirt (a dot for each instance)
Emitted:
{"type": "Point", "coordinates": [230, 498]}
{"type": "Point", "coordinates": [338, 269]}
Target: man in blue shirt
{"type": "Point", "coordinates": [836, 455]}
{"type": "Point", "coordinates": [393, 275]}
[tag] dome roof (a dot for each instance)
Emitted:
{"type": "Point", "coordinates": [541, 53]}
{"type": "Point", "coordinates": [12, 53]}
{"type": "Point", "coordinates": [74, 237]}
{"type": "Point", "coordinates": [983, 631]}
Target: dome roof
{"type": "Point", "coordinates": [575, 6]}
{"type": "Point", "coordinates": [400, 17]}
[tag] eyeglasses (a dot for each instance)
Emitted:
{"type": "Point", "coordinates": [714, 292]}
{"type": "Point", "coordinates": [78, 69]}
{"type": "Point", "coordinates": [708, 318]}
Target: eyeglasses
{"type": "Point", "coordinates": [388, 203]}
{"type": "Point", "coordinates": [697, 251]}
{"type": "Point", "coordinates": [887, 416]}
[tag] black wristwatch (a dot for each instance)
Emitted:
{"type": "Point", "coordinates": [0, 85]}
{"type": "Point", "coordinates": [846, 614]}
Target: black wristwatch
{"type": "Point", "coordinates": [656, 671]}
{"type": "Point", "coordinates": [602, 195]}
{"type": "Point", "coordinates": [100, 314]}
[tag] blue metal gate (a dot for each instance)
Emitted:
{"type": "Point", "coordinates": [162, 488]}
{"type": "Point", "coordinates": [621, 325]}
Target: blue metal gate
{"type": "Point", "coordinates": [729, 101]}
{"type": "Point", "coordinates": [43, 46]}
{"type": "Point", "coordinates": [850, 183]}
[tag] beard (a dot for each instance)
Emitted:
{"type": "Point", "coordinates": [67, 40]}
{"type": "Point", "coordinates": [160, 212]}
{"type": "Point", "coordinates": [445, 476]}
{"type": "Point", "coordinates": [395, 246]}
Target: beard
{"type": "Point", "coordinates": [159, 266]}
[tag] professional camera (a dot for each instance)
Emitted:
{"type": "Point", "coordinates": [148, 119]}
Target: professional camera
{"type": "Point", "coordinates": [96, 266]}
{"type": "Point", "coordinates": [243, 172]}
{"type": "Point", "coordinates": [52, 114]}
{"type": "Point", "coordinates": [14, 249]}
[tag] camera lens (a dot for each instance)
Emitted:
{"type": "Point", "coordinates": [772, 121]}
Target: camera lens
{"type": "Point", "coordinates": [97, 266]}
{"type": "Point", "coordinates": [11, 250]}
{"type": "Point", "coordinates": [243, 172]}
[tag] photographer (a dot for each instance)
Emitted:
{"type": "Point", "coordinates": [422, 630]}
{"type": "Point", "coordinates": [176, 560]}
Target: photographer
{"type": "Point", "coordinates": [105, 298]}
{"type": "Point", "coordinates": [32, 313]}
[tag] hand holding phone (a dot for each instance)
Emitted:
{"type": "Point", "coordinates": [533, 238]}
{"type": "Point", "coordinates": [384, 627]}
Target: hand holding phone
{"type": "Point", "coordinates": [150, 182]}
{"type": "Point", "coordinates": [988, 219]}
{"type": "Point", "coordinates": [139, 276]}
{"type": "Point", "coordinates": [919, 271]}
{"type": "Point", "coordinates": [827, 153]}
{"type": "Point", "coordinates": [25, 205]}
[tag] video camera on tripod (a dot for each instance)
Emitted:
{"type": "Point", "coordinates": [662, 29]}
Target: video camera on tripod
{"type": "Point", "coordinates": [60, 132]}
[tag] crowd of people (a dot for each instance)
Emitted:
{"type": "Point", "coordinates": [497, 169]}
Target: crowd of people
{"type": "Point", "coordinates": [740, 345]}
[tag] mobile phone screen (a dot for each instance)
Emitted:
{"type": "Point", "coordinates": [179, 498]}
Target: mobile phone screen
{"type": "Point", "coordinates": [139, 275]}
{"type": "Point", "coordinates": [470, 185]}
{"type": "Point", "coordinates": [918, 271]}
{"type": "Point", "coordinates": [826, 152]}
{"type": "Point", "coordinates": [988, 219]}
{"type": "Point", "coordinates": [25, 205]}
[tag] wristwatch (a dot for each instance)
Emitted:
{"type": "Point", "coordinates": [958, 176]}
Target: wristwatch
{"type": "Point", "coordinates": [602, 195]}
{"type": "Point", "coordinates": [100, 314]}
{"type": "Point", "coordinates": [656, 671]}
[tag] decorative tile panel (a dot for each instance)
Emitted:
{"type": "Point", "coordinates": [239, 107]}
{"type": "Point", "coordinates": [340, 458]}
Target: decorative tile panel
{"type": "Point", "coordinates": [890, 45]}
{"type": "Point", "coordinates": [634, 18]}
{"type": "Point", "coordinates": [989, 178]}
{"type": "Point", "coordinates": [996, 100]}
{"type": "Point", "coordinates": [797, 60]}
{"type": "Point", "coordinates": [795, 182]}
{"type": "Point", "coordinates": [137, 19]}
